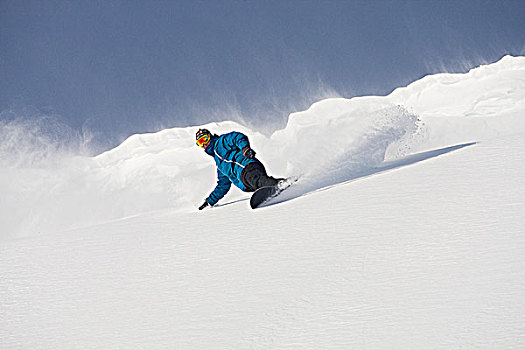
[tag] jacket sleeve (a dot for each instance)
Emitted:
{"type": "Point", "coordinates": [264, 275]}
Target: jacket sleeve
{"type": "Point", "coordinates": [237, 140]}
{"type": "Point", "coordinates": [223, 186]}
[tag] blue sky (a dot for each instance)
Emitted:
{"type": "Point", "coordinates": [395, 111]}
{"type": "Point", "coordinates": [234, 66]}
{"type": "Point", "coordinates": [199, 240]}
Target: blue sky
{"type": "Point", "coordinates": [123, 67]}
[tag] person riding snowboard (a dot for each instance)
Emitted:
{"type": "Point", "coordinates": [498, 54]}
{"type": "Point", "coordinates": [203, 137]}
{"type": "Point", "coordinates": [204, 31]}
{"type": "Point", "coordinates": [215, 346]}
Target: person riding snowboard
{"type": "Point", "coordinates": [236, 163]}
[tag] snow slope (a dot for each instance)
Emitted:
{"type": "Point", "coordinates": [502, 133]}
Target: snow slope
{"type": "Point", "coordinates": [405, 231]}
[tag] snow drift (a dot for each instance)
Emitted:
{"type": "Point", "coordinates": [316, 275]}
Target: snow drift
{"type": "Point", "coordinates": [332, 142]}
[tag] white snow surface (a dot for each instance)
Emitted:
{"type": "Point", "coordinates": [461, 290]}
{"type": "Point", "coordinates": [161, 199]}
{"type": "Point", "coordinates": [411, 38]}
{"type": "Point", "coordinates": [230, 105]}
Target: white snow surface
{"type": "Point", "coordinates": [404, 231]}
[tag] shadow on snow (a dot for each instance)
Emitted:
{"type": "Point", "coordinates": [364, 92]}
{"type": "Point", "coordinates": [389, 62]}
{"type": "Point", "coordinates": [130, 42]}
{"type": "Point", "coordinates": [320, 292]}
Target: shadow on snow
{"type": "Point", "coordinates": [346, 172]}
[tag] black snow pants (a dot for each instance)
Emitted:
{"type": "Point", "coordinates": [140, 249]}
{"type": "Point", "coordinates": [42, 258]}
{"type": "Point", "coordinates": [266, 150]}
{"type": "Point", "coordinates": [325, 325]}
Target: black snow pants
{"type": "Point", "coordinates": [254, 176]}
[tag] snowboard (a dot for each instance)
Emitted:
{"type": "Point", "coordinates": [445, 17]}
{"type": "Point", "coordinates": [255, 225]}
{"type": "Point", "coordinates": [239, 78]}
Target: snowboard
{"type": "Point", "coordinates": [264, 194]}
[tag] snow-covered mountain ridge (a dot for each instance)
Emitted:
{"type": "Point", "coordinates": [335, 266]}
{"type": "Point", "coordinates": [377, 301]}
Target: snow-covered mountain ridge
{"type": "Point", "coordinates": [404, 232]}
{"type": "Point", "coordinates": [328, 144]}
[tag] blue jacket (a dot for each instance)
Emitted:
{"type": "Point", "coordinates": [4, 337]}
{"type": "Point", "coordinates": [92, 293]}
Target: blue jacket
{"type": "Point", "coordinates": [227, 151]}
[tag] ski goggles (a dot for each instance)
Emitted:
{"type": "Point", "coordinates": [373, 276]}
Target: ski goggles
{"type": "Point", "coordinates": [203, 140]}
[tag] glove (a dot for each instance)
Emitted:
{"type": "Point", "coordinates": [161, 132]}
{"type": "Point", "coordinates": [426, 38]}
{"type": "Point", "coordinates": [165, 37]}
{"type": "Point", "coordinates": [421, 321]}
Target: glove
{"type": "Point", "coordinates": [248, 152]}
{"type": "Point", "coordinates": [204, 205]}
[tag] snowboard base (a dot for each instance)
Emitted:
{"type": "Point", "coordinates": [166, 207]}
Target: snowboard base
{"type": "Point", "coordinates": [264, 194]}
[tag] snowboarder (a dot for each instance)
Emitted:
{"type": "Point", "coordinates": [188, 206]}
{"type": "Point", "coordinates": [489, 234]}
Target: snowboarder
{"type": "Point", "coordinates": [236, 163]}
